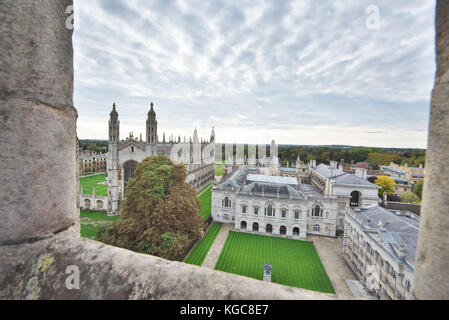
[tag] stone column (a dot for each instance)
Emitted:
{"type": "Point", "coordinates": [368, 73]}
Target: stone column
{"type": "Point", "coordinates": [431, 277]}
{"type": "Point", "coordinates": [39, 183]}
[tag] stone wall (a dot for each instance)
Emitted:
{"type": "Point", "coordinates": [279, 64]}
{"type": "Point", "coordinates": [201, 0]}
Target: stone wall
{"type": "Point", "coordinates": [432, 265]}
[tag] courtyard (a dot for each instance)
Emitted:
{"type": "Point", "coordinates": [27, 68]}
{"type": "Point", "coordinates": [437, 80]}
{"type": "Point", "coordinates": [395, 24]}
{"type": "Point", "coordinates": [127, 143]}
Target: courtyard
{"type": "Point", "coordinates": [295, 263]}
{"type": "Point", "coordinates": [89, 181]}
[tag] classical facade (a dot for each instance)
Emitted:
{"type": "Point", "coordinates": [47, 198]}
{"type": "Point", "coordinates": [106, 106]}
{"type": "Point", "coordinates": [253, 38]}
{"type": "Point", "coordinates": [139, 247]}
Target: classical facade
{"type": "Point", "coordinates": [312, 202]}
{"type": "Point", "coordinates": [123, 156]}
{"type": "Point", "coordinates": [380, 246]}
{"type": "Point", "coordinates": [92, 163]}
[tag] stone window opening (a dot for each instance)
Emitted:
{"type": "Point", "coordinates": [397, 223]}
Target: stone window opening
{"type": "Point", "coordinates": [296, 232]}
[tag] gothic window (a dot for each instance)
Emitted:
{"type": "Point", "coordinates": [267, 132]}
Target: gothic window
{"type": "Point", "coordinates": [129, 167]}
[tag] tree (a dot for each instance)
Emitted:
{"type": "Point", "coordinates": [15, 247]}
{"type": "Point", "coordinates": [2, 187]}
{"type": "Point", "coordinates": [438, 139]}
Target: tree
{"type": "Point", "coordinates": [160, 214]}
{"type": "Point", "coordinates": [418, 188]}
{"type": "Point", "coordinates": [387, 185]}
{"type": "Point", "coordinates": [409, 197]}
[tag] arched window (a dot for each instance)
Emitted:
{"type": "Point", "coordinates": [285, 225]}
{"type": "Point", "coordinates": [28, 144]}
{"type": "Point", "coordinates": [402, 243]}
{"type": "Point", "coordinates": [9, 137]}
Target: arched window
{"type": "Point", "coordinates": [283, 230]}
{"type": "Point", "coordinates": [255, 227]}
{"type": "Point", "coordinates": [296, 232]}
{"type": "Point", "coordinates": [355, 199]}
{"type": "Point", "coordinates": [132, 149]}
{"type": "Point", "coordinates": [129, 167]}
{"type": "Point", "coordinates": [269, 229]}
{"type": "Point", "coordinates": [243, 225]}
{"type": "Point", "coordinates": [316, 228]}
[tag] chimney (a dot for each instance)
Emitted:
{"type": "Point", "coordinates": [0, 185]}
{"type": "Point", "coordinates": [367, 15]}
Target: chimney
{"type": "Point", "coordinates": [361, 173]}
{"type": "Point", "coordinates": [333, 165]}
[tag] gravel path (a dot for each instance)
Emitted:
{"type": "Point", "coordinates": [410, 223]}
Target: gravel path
{"type": "Point", "coordinates": [215, 250]}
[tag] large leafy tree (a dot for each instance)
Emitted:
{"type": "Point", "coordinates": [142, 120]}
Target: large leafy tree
{"type": "Point", "coordinates": [409, 197]}
{"type": "Point", "coordinates": [387, 185]}
{"type": "Point", "coordinates": [418, 188]}
{"type": "Point", "coordinates": [160, 214]}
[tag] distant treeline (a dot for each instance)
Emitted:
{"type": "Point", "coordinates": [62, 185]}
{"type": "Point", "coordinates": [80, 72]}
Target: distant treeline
{"type": "Point", "coordinates": [375, 157]}
{"type": "Point", "coordinates": [97, 146]}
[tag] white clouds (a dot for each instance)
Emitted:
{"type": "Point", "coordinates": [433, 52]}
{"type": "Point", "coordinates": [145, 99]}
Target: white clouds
{"type": "Point", "coordinates": [311, 64]}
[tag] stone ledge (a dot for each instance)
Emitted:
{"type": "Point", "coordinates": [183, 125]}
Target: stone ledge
{"type": "Point", "coordinates": [37, 271]}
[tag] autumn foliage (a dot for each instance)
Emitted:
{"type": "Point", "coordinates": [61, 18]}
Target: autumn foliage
{"type": "Point", "coordinates": [160, 214]}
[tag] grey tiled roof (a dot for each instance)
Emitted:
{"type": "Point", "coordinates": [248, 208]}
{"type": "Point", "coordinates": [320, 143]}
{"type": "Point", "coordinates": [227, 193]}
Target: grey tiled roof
{"type": "Point", "coordinates": [271, 179]}
{"type": "Point", "coordinates": [398, 229]}
{"type": "Point", "coordinates": [235, 179]}
{"type": "Point", "coordinates": [351, 179]}
{"type": "Point", "coordinates": [342, 178]}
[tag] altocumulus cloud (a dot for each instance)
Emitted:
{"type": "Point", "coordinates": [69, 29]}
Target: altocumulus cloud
{"type": "Point", "coordinates": [300, 72]}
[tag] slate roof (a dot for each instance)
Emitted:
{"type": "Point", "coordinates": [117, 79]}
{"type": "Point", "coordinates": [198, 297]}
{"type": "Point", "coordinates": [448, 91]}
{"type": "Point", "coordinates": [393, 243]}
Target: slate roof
{"type": "Point", "coordinates": [235, 179]}
{"type": "Point", "coordinates": [342, 178]}
{"type": "Point", "coordinates": [271, 179]}
{"type": "Point", "coordinates": [398, 229]}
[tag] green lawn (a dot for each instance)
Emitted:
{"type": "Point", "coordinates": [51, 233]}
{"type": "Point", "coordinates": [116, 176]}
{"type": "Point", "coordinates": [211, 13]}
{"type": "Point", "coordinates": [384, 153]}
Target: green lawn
{"type": "Point", "coordinates": [91, 222]}
{"type": "Point", "coordinates": [203, 189]}
{"type": "Point", "coordinates": [206, 199]}
{"type": "Point", "coordinates": [219, 170]}
{"type": "Point", "coordinates": [295, 263]}
{"type": "Point", "coordinates": [199, 253]}
{"type": "Point", "coordinates": [88, 182]}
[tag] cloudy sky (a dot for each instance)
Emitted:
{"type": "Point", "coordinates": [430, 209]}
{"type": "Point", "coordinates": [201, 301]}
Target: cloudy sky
{"type": "Point", "coordinates": [299, 72]}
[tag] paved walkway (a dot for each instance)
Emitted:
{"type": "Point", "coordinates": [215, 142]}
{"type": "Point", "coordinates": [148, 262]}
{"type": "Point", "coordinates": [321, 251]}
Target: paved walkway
{"type": "Point", "coordinates": [358, 290]}
{"type": "Point", "coordinates": [201, 192]}
{"type": "Point", "coordinates": [215, 250]}
{"type": "Point", "coordinates": [334, 263]}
